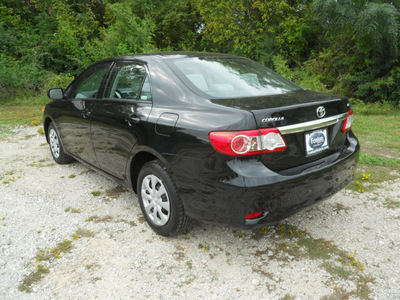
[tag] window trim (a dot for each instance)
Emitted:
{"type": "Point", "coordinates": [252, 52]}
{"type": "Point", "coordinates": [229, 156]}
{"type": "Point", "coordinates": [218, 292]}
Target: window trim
{"type": "Point", "coordinates": [108, 79]}
{"type": "Point", "coordinates": [83, 76]}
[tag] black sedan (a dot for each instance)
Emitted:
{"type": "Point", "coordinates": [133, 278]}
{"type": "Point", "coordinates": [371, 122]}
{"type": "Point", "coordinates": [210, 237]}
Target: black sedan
{"type": "Point", "coordinates": [204, 136]}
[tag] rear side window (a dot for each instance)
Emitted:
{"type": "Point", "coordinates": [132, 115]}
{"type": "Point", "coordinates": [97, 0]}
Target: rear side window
{"type": "Point", "coordinates": [88, 86]}
{"type": "Point", "coordinates": [129, 81]}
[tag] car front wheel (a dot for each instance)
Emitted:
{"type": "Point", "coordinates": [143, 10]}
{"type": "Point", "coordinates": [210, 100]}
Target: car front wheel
{"type": "Point", "coordinates": [159, 200]}
{"type": "Point", "coordinates": [56, 148]}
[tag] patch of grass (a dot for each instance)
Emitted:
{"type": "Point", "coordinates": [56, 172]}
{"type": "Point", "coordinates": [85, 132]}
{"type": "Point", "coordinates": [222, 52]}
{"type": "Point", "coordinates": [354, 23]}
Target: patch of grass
{"type": "Point", "coordinates": [337, 271]}
{"type": "Point", "coordinates": [32, 278]}
{"type": "Point", "coordinates": [20, 115]}
{"type": "Point", "coordinates": [54, 253]}
{"type": "Point", "coordinates": [72, 176]}
{"type": "Point", "coordinates": [46, 256]}
{"type": "Point", "coordinates": [21, 111]}
{"type": "Point", "coordinates": [39, 268]}
{"type": "Point", "coordinates": [91, 266]}
{"type": "Point", "coordinates": [288, 297]}
{"type": "Point", "coordinates": [98, 219]}
{"type": "Point", "coordinates": [80, 232]}
{"type": "Point", "coordinates": [293, 243]}
{"type": "Point", "coordinates": [8, 177]}
{"type": "Point", "coordinates": [341, 207]}
{"type": "Point", "coordinates": [96, 193]}
{"type": "Point", "coordinates": [368, 178]}
{"type": "Point", "coordinates": [92, 218]}
{"type": "Point", "coordinates": [115, 191]}
{"type": "Point", "coordinates": [132, 223]}
{"type": "Point", "coordinates": [377, 126]}
{"type": "Point", "coordinates": [204, 246]}
{"type": "Point", "coordinates": [391, 204]}
{"type": "Point", "coordinates": [378, 134]}
{"type": "Point", "coordinates": [27, 137]}
{"type": "Point", "coordinates": [72, 210]}
{"type": "Point", "coordinates": [375, 160]}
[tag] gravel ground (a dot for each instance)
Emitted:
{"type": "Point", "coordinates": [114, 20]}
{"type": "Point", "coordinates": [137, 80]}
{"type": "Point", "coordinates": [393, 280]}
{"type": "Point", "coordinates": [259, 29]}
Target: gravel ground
{"type": "Point", "coordinates": [347, 247]}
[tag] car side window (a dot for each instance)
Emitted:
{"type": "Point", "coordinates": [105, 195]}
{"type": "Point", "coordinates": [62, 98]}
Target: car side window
{"type": "Point", "coordinates": [89, 86]}
{"type": "Point", "coordinates": [129, 81]}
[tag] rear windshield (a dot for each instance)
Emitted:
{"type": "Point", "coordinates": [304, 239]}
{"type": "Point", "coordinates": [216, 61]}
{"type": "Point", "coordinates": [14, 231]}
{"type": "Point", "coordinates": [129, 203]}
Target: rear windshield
{"type": "Point", "coordinates": [230, 77]}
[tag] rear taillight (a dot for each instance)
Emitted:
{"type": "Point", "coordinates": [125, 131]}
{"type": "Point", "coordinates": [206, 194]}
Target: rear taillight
{"type": "Point", "coordinates": [247, 142]}
{"type": "Point", "coordinates": [253, 215]}
{"type": "Point", "coordinates": [348, 121]}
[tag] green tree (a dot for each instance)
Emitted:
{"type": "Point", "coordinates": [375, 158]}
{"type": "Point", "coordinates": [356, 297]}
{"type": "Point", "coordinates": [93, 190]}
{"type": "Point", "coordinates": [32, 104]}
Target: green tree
{"type": "Point", "coordinates": [258, 29]}
{"type": "Point", "coordinates": [360, 52]}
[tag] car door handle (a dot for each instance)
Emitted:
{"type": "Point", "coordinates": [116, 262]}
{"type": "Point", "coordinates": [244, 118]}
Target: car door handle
{"type": "Point", "coordinates": [132, 119]}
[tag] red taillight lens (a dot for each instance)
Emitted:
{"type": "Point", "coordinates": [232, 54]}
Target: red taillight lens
{"type": "Point", "coordinates": [253, 215]}
{"type": "Point", "coordinates": [348, 121]}
{"type": "Point", "coordinates": [247, 142]}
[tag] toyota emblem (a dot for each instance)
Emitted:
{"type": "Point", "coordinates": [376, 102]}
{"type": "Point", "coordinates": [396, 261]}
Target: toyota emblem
{"type": "Point", "coordinates": [320, 111]}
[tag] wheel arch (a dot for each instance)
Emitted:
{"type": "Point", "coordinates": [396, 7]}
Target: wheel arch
{"type": "Point", "coordinates": [46, 124]}
{"type": "Point", "coordinates": [137, 162]}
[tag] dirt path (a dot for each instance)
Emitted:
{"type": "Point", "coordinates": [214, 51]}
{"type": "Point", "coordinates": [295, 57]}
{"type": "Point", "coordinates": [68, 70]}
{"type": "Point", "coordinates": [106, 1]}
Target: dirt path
{"type": "Point", "coordinates": [87, 239]}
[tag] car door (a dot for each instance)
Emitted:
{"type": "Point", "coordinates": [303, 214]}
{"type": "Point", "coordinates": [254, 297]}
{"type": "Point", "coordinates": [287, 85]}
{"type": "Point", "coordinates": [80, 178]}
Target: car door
{"type": "Point", "coordinates": [119, 118]}
{"type": "Point", "coordinates": [74, 122]}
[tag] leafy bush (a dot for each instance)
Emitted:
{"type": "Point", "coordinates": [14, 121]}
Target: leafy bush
{"type": "Point", "coordinates": [304, 76]}
{"type": "Point", "coordinates": [376, 108]}
{"type": "Point", "coordinates": [19, 78]}
{"type": "Point", "coordinates": [60, 80]}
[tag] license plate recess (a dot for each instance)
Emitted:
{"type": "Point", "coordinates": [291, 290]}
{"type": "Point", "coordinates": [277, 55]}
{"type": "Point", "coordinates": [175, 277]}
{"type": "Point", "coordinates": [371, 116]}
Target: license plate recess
{"type": "Point", "coordinates": [316, 141]}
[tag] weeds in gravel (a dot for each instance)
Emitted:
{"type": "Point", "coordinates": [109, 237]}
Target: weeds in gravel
{"type": "Point", "coordinates": [40, 269]}
{"type": "Point", "coordinates": [72, 210]}
{"type": "Point", "coordinates": [8, 177]}
{"type": "Point", "coordinates": [80, 232]}
{"type": "Point", "coordinates": [98, 219]}
{"type": "Point", "coordinates": [204, 247]}
{"type": "Point", "coordinates": [132, 223]}
{"type": "Point", "coordinates": [115, 191]}
{"type": "Point", "coordinates": [33, 277]}
{"type": "Point", "coordinates": [46, 256]}
{"type": "Point", "coordinates": [294, 244]}
{"type": "Point", "coordinates": [391, 204]}
{"type": "Point", "coordinates": [41, 163]}
{"type": "Point", "coordinates": [96, 193]}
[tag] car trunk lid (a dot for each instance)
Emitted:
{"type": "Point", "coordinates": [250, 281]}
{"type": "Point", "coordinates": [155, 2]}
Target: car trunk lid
{"type": "Point", "coordinates": [309, 122]}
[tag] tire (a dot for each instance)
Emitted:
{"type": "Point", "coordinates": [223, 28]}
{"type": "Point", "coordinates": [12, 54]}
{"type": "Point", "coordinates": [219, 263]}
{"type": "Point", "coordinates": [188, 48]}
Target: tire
{"type": "Point", "coordinates": [159, 200]}
{"type": "Point", "coordinates": [56, 147]}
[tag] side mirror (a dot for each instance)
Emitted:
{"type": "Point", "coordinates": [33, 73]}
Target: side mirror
{"type": "Point", "coordinates": [55, 93]}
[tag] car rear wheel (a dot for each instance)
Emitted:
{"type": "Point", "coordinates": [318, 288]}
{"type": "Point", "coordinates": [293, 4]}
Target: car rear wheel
{"type": "Point", "coordinates": [159, 200]}
{"type": "Point", "coordinates": [56, 148]}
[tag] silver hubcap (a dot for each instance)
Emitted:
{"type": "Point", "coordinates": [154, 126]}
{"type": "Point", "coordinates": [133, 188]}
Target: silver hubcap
{"type": "Point", "coordinates": [155, 200]}
{"type": "Point", "coordinates": [54, 143]}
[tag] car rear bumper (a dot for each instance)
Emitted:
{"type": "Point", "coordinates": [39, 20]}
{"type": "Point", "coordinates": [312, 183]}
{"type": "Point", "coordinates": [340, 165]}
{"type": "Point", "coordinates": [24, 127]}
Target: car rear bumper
{"type": "Point", "coordinates": [227, 192]}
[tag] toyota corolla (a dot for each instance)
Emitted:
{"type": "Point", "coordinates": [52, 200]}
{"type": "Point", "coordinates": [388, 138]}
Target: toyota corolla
{"type": "Point", "coordinates": [204, 136]}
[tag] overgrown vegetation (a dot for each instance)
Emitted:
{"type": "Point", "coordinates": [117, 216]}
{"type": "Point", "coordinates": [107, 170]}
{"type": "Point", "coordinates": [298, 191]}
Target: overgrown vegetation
{"type": "Point", "coordinates": [349, 47]}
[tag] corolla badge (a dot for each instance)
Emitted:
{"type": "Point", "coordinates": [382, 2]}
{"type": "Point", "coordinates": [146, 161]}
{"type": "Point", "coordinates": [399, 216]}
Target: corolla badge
{"type": "Point", "coordinates": [273, 119]}
{"type": "Point", "coordinates": [316, 140]}
{"type": "Point", "coordinates": [320, 111]}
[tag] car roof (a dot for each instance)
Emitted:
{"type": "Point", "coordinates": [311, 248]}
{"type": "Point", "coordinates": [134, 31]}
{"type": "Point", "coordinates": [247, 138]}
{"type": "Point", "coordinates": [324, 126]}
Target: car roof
{"type": "Point", "coordinates": [169, 55]}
